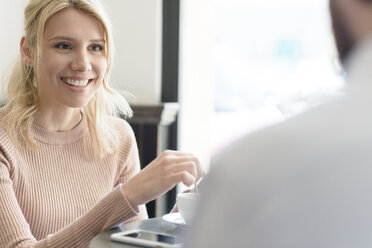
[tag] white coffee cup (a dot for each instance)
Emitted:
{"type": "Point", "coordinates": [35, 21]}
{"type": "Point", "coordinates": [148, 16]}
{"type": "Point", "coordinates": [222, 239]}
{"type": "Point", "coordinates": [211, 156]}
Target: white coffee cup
{"type": "Point", "coordinates": [187, 204]}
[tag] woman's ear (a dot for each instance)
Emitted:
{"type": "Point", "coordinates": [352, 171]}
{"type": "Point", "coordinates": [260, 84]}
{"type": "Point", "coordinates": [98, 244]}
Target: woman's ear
{"type": "Point", "coordinates": [26, 52]}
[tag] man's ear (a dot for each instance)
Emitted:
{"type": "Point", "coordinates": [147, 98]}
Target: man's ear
{"type": "Point", "coordinates": [26, 52]}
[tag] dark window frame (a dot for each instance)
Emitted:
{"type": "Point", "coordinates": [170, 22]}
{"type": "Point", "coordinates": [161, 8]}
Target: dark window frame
{"type": "Point", "coordinates": [170, 50]}
{"type": "Point", "coordinates": [170, 73]}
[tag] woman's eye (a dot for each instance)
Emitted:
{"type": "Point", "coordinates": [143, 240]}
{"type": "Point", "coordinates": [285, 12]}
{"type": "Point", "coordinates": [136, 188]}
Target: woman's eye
{"type": "Point", "coordinates": [96, 48]}
{"type": "Point", "coordinates": [64, 46]}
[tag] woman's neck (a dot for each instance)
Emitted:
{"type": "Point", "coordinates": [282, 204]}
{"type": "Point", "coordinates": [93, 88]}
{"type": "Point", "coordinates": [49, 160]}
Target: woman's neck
{"type": "Point", "coordinates": [59, 121]}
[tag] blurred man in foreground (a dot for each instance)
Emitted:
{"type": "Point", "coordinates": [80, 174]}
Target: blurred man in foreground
{"type": "Point", "coordinates": [306, 182]}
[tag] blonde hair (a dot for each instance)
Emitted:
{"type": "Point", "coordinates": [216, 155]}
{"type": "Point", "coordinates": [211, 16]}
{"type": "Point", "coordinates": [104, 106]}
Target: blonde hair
{"type": "Point", "coordinates": [22, 97]}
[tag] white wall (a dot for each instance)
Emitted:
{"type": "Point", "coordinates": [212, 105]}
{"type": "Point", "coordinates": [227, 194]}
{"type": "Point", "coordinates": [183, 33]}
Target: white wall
{"type": "Point", "coordinates": [138, 35]}
{"type": "Point", "coordinates": [11, 26]}
{"type": "Point", "coordinates": [137, 32]}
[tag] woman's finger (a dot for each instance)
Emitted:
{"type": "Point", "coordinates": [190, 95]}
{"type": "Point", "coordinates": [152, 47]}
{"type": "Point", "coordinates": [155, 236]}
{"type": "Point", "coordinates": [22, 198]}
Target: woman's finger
{"type": "Point", "coordinates": [185, 177]}
{"type": "Point", "coordinates": [177, 158]}
{"type": "Point", "coordinates": [188, 166]}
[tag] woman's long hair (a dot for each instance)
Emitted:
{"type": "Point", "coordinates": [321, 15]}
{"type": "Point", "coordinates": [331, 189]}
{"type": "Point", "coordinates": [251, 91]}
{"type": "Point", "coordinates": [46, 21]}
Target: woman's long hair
{"type": "Point", "coordinates": [22, 96]}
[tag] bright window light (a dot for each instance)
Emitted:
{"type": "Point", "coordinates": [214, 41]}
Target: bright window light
{"type": "Point", "coordinates": [273, 59]}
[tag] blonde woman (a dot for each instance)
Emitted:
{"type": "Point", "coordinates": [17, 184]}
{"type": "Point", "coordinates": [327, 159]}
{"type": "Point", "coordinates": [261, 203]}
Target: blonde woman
{"type": "Point", "coordinates": [69, 169]}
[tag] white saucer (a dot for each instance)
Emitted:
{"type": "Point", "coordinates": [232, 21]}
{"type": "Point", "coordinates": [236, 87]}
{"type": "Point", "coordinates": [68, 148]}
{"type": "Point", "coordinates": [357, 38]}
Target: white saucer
{"type": "Point", "coordinates": [175, 218]}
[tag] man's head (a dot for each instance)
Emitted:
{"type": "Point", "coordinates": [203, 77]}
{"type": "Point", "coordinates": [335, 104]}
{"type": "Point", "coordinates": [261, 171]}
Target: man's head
{"type": "Point", "coordinates": [352, 23]}
{"type": "Point", "coordinates": [343, 38]}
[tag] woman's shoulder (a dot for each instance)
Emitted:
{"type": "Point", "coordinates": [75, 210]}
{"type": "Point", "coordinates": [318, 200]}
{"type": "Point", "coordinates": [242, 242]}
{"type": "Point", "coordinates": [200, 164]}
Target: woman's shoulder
{"type": "Point", "coordinates": [6, 144]}
{"type": "Point", "coordinates": [3, 112]}
{"type": "Point", "coordinates": [125, 135]}
{"type": "Point", "coordinates": [121, 126]}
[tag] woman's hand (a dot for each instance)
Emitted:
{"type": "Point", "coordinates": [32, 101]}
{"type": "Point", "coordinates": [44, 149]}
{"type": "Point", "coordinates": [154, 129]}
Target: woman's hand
{"type": "Point", "coordinates": [161, 175]}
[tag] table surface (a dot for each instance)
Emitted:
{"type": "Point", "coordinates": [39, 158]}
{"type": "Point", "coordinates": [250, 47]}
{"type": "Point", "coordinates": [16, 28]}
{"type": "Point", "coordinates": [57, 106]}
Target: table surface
{"type": "Point", "coordinates": [155, 224]}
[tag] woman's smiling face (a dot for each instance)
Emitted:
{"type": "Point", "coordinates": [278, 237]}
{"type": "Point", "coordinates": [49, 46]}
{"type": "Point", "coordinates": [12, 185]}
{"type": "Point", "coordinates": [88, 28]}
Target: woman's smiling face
{"type": "Point", "coordinates": [73, 60]}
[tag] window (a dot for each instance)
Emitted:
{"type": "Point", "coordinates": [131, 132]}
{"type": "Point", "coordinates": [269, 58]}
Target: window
{"type": "Point", "coordinates": [272, 59]}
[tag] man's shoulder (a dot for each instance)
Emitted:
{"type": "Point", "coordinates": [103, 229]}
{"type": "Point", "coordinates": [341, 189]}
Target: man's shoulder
{"type": "Point", "coordinates": [318, 130]}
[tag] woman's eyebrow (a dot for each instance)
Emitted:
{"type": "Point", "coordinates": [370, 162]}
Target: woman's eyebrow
{"type": "Point", "coordinates": [61, 38]}
{"type": "Point", "coordinates": [72, 39]}
{"type": "Point", "coordinates": [98, 40]}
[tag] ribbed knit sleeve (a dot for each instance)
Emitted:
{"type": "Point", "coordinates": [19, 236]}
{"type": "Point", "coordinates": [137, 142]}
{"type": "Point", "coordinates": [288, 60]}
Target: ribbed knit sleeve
{"type": "Point", "coordinates": [131, 167]}
{"type": "Point", "coordinates": [58, 195]}
{"type": "Point", "coordinates": [111, 210]}
{"type": "Point", "coordinates": [15, 230]}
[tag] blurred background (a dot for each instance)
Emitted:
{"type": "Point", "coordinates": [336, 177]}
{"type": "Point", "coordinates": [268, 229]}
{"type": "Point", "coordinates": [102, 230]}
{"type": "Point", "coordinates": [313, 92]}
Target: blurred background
{"type": "Point", "coordinates": [272, 60]}
{"type": "Point", "coordinates": [202, 73]}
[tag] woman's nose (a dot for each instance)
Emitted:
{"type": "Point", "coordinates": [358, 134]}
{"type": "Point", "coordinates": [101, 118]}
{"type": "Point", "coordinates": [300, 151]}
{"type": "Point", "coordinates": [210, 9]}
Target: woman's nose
{"type": "Point", "coordinates": [81, 62]}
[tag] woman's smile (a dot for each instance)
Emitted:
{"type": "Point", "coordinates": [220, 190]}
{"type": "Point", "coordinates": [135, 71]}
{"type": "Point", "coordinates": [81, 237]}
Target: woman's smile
{"type": "Point", "coordinates": [78, 85]}
{"type": "Point", "coordinates": [76, 82]}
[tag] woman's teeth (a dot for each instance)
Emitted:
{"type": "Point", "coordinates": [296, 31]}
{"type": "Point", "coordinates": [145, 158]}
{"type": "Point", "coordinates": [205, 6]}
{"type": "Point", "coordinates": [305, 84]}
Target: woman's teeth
{"type": "Point", "coordinates": [76, 83]}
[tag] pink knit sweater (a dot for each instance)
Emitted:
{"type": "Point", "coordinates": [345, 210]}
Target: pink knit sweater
{"type": "Point", "coordinates": [58, 195]}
